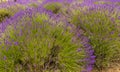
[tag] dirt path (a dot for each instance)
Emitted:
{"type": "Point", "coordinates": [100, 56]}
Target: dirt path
{"type": "Point", "coordinates": [113, 68]}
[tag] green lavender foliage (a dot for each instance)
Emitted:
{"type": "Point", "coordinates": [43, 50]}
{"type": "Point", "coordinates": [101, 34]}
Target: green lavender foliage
{"type": "Point", "coordinates": [16, 8]}
{"type": "Point", "coordinates": [41, 47]}
{"type": "Point", "coordinates": [4, 14]}
{"type": "Point", "coordinates": [55, 7]}
{"type": "Point", "coordinates": [103, 35]}
{"type": "Point", "coordinates": [33, 5]}
{"type": "Point", "coordinates": [102, 2]}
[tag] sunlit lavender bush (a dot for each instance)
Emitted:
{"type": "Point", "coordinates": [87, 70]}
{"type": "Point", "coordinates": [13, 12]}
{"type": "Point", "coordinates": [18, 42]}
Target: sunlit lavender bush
{"type": "Point", "coordinates": [33, 41]}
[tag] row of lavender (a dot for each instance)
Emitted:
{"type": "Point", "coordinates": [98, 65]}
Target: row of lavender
{"type": "Point", "coordinates": [59, 36]}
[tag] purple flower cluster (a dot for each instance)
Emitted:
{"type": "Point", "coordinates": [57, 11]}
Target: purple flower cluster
{"type": "Point", "coordinates": [7, 4]}
{"type": "Point", "coordinates": [90, 57]}
{"type": "Point", "coordinates": [60, 1]}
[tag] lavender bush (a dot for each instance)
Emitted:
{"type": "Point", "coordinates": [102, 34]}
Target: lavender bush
{"type": "Point", "coordinates": [59, 35]}
{"type": "Point", "coordinates": [37, 42]}
{"type": "Point", "coordinates": [103, 34]}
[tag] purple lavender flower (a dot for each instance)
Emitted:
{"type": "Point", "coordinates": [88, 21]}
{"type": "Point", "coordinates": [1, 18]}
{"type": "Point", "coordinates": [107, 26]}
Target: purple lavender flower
{"type": "Point", "coordinates": [79, 49]}
{"type": "Point", "coordinates": [16, 43]}
{"type": "Point", "coordinates": [4, 58]}
{"type": "Point", "coordinates": [119, 17]}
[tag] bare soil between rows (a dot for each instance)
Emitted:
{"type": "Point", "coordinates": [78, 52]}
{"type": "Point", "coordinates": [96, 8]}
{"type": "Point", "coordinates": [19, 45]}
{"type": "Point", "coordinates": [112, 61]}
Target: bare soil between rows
{"type": "Point", "coordinates": [113, 68]}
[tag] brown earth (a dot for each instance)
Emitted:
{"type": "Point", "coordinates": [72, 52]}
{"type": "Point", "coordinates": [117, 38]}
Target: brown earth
{"type": "Point", "coordinates": [113, 68]}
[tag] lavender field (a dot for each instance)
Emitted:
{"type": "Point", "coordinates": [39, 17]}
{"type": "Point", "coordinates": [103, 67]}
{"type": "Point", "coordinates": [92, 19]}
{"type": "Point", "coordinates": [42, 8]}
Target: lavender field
{"type": "Point", "coordinates": [60, 36]}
